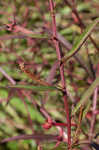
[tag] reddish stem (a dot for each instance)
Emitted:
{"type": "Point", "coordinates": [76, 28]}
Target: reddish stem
{"type": "Point", "coordinates": [59, 56]}
{"type": "Point", "coordinates": [64, 124]}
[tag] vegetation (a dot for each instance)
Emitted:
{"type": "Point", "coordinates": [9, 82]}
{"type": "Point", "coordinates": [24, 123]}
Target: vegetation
{"type": "Point", "coordinates": [49, 73]}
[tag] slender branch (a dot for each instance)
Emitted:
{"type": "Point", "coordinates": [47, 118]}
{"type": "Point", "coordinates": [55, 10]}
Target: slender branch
{"type": "Point", "coordinates": [94, 108]}
{"type": "Point", "coordinates": [7, 76]}
{"type": "Point", "coordinates": [93, 114]}
{"type": "Point", "coordinates": [59, 56]}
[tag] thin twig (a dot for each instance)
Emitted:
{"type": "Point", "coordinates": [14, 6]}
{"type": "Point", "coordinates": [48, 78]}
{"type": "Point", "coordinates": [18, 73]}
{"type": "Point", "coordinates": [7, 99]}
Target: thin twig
{"type": "Point", "coordinates": [7, 76]}
{"type": "Point", "coordinates": [59, 56]}
{"type": "Point", "coordinates": [93, 114]}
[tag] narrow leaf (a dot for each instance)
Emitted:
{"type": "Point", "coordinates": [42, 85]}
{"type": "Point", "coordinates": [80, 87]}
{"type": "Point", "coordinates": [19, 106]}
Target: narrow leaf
{"type": "Point", "coordinates": [81, 39]}
{"type": "Point", "coordinates": [86, 95]}
{"type": "Point", "coordinates": [40, 36]}
{"type": "Point", "coordinates": [31, 87]}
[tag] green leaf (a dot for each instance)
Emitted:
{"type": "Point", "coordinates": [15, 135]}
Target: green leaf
{"type": "Point", "coordinates": [81, 39]}
{"type": "Point", "coordinates": [31, 87]}
{"type": "Point", "coordinates": [86, 95]}
{"type": "Point", "coordinates": [40, 36]}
